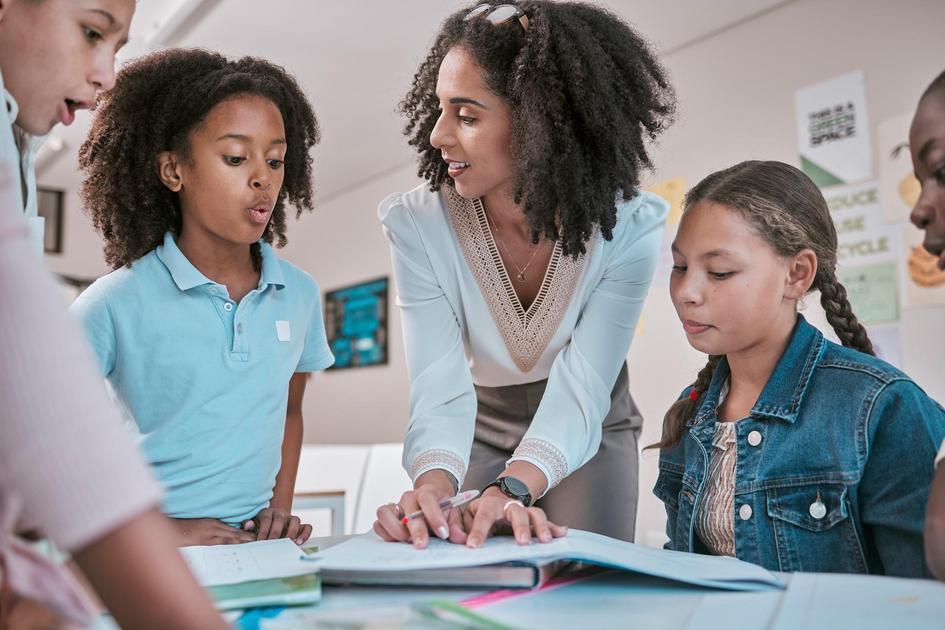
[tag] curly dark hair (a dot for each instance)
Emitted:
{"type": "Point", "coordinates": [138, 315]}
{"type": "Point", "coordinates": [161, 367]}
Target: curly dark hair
{"type": "Point", "coordinates": [156, 102]}
{"type": "Point", "coordinates": [586, 94]}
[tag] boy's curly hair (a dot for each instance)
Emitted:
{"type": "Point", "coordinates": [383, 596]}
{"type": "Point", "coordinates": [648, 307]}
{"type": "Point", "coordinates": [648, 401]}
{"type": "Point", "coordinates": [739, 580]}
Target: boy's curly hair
{"type": "Point", "coordinates": [586, 94]}
{"type": "Point", "coordinates": [156, 102]}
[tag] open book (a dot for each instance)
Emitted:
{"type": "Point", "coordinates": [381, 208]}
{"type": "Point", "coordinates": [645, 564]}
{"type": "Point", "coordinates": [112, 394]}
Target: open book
{"type": "Point", "coordinates": [397, 563]}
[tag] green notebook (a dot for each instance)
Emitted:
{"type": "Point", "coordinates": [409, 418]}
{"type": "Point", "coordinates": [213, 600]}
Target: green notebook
{"type": "Point", "coordinates": [288, 591]}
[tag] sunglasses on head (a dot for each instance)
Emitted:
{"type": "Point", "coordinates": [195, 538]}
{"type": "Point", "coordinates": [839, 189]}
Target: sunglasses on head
{"type": "Point", "coordinates": [498, 15]}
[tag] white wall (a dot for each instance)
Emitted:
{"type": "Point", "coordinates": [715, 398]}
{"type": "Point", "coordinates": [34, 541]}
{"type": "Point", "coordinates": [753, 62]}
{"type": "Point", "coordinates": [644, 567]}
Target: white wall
{"type": "Point", "coordinates": [342, 243]}
{"type": "Point", "coordinates": [736, 92]}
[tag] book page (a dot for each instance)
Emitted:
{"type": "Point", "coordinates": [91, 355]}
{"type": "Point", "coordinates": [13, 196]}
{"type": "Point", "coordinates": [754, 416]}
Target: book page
{"type": "Point", "coordinates": [260, 560]}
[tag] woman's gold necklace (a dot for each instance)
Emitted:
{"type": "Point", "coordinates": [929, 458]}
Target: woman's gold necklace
{"type": "Point", "coordinates": [520, 275]}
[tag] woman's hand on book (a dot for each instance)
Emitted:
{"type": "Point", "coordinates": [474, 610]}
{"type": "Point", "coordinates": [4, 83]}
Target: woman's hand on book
{"type": "Point", "coordinates": [431, 488]}
{"type": "Point", "coordinates": [495, 513]}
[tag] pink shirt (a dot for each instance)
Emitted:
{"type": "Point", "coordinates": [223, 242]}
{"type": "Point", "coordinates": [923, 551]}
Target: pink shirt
{"type": "Point", "coordinates": [67, 465]}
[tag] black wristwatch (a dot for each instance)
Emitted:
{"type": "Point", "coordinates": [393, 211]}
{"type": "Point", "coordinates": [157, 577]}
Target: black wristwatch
{"type": "Point", "coordinates": [512, 488]}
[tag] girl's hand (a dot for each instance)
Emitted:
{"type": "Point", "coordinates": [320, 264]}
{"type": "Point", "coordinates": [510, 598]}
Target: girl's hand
{"type": "Point", "coordinates": [209, 531]}
{"type": "Point", "coordinates": [431, 488]}
{"type": "Point", "coordinates": [273, 523]}
{"type": "Point", "coordinates": [494, 512]}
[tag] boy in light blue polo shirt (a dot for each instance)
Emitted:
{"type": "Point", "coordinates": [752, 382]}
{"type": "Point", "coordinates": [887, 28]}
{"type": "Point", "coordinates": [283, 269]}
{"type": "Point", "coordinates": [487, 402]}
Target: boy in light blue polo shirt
{"type": "Point", "coordinates": [205, 335]}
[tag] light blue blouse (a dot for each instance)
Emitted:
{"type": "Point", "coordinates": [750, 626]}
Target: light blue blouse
{"type": "Point", "coordinates": [456, 335]}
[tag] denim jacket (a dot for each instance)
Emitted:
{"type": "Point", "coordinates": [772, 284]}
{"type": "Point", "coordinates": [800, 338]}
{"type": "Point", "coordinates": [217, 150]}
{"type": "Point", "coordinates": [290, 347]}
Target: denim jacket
{"type": "Point", "coordinates": [840, 476]}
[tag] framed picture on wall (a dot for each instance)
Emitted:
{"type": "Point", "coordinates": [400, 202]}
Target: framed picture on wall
{"type": "Point", "coordinates": [49, 204]}
{"type": "Point", "coordinates": [356, 324]}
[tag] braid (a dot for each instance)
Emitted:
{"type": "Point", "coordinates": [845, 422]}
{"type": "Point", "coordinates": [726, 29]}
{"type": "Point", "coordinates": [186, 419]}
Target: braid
{"type": "Point", "coordinates": [833, 297]}
{"type": "Point", "coordinates": [685, 408]}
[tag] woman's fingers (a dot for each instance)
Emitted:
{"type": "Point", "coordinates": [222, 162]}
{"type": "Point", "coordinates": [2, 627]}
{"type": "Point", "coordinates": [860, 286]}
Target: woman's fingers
{"type": "Point", "coordinates": [540, 524]}
{"type": "Point", "coordinates": [417, 528]}
{"type": "Point", "coordinates": [516, 514]}
{"type": "Point", "coordinates": [454, 520]}
{"type": "Point", "coordinates": [482, 522]}
{"type": "Point", "coordinates": [381, 531]}
{"type": "Point", "coordinates": [388, 525]}
{"type": "Point", "coordinates": [558, 531]}
{"type": "Point", "coordinates": [435, 519]}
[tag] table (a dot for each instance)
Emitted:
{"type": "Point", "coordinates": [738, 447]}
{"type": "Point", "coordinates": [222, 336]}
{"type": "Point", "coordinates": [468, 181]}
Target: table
{"type": "Point", "coordinates": [626, 600]}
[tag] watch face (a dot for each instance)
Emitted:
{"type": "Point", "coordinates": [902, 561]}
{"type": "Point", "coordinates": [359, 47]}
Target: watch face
{"type": "Point", "coordinates": [514, 486]}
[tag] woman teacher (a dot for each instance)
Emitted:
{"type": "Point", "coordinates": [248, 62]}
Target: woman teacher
{"type": "Point", "coordinates": [521, 266]}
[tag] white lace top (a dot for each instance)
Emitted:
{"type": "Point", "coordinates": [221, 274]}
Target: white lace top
{"type": "Point", "coordinates": [463, 324]}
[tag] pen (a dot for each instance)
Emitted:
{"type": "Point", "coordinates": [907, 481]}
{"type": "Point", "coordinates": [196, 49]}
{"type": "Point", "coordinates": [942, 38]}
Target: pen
{"type": "Point", "coordinates": [460, 499]}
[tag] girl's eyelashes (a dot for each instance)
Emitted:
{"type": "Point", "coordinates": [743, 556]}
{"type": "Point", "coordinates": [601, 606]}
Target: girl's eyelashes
{"type": "Point", "coordinates": [717, 275]}
{"type": "Point", "coordinates": [92, 35]}
{"type": "Point", "coordinates": [467, 120]}
{"type": "Point", "coordinates": [235, 160]}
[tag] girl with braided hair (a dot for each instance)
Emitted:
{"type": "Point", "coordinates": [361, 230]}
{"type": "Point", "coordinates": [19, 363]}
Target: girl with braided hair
{"type": "Point", "coordinates": [789, 450]}
{"type": "Point", "coordinates": [521, 266]}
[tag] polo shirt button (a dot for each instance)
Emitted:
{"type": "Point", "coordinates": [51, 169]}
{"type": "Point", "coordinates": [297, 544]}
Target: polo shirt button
{"type": "Point", "coordinates": [227, 306]}
{"type": "Point", "coordinates": [754, 438]}
{"type": "Point", "coordinates": [744, 512]}
{"type": "Point", "coordinates": [239, 329]}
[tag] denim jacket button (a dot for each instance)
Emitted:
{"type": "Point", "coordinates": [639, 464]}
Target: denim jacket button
{"type": "Point", "coordinates": [818, 510]}
{"type": "Point", "coordinates": [754, 438]}
{"type": "Point", "coordinates": [744, 512]}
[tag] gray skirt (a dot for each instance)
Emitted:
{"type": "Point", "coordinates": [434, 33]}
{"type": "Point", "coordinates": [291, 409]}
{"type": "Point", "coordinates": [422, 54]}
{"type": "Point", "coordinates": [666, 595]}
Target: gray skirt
{"type": "Point", "coordinates": [600, 496]}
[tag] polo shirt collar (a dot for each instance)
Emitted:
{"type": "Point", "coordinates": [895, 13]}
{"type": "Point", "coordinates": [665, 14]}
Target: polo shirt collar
{"type": "Point", "coordinates": [186, 276]}
{"type": "Point", "coordinates": [271, 267]}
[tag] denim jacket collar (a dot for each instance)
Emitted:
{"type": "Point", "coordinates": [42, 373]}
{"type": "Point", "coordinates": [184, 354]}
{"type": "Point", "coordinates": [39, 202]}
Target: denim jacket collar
{"type": "Point", "coordinates": [785, 389]}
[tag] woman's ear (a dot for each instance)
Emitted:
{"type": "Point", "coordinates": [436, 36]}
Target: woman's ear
{"type": "Point", "coordinates": [802, 269]}
{"type": "Point", "coordinates": [168, 169]}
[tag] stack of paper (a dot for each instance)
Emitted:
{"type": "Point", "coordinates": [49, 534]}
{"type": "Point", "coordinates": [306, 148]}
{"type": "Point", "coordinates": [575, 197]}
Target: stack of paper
{"type": "Point", "coordinates": [370, 554]}
{"type": "Point", "coordinates": [261, 573]}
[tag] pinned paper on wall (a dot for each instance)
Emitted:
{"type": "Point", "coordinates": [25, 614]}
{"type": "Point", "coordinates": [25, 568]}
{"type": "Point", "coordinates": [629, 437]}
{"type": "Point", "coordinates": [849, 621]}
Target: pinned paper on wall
{"type": "Point", "coordinates": [871, 291]}
{"type": "Point", "coordinates": [674, 191]}
{"type": "Point", "coordinates": [899, 189]}
{"type": "Point", "coordinates": [833, 131]}
{"type": "Point", "coordinates": [863, 238]}
{"type": "Point", "coordinates": [922, 281]}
